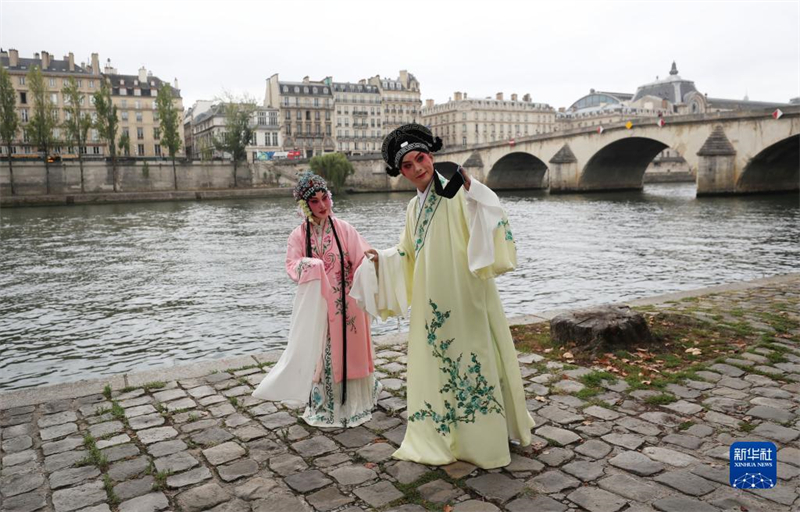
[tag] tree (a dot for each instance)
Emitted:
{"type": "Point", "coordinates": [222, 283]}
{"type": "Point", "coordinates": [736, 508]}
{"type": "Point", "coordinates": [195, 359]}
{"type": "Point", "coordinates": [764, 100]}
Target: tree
{"type": "Point", "coordinates": [124, 144]}
{"type": "Point", "coordinates": [77, 122]}
{"type": "Point", "coordinates": [239, 129]}
{"type": "Point", "coordinates": [107, 123]}
{"type": "Point", "coordinates": [170, 125]}
{"type": "Point", "coordinates": [334, 167]}
{"type": "Point", "coordinates": [9, 120]}
{"type": "Point", "coordinates": [43, 121]}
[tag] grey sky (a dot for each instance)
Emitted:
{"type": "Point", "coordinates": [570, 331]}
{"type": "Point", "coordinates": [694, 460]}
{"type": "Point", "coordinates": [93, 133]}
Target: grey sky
{"type": "Point", "coordinates": [556, 51]}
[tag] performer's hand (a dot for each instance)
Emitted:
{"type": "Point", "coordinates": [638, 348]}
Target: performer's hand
{"type": "Point", "coordinates": [467, 179]}
{"type": "Point", "coordinates": [372, 254]}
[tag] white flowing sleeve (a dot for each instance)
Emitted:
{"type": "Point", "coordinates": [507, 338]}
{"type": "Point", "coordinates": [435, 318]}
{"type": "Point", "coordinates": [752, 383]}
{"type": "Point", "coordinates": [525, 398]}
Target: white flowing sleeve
{"type": "Point", "coordinates": [382, 295]}
{"type": "Point", "coordinates": [291, 377]}
{"type": "Point", "coordinates": [490, 250]}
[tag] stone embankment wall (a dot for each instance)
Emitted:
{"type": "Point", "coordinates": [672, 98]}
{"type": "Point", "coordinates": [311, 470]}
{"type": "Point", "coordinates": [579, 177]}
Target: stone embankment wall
{"type": "Point", "coordinates": [61, 183]}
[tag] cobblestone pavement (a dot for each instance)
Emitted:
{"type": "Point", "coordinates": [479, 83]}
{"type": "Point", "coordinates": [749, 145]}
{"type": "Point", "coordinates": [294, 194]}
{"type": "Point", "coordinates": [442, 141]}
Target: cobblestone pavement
{"type": "Point", "coordinates": [206, 444]}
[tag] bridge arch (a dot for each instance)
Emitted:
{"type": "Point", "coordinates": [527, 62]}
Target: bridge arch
{"type": "Point", "coordinates": [775, 168]}
{"type": "Point", "coordinates": [620, 164]}
{"type": "Point", "coordinates": [515, 171]}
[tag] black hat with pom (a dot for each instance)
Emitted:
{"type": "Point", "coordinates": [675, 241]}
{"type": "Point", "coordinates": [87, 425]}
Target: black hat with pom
{"type": "Point", "coordinates": [403, 140]}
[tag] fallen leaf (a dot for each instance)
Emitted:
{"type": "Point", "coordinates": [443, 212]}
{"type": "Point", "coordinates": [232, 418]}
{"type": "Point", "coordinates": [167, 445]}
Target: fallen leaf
{"type": "Point", "coordinates": [568, 355]}
{"type": "Point", "coordinates": [540, 399]}
{"type": "Point", "coordinates": [370, 465]}
{"type": "Point", "coordinates": [548, 350]}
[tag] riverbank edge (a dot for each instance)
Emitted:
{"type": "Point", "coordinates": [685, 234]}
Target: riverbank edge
{"type": "Point", "coordinates": [70, 390]}
{"type": "Point", "coordinates": [212, 194]}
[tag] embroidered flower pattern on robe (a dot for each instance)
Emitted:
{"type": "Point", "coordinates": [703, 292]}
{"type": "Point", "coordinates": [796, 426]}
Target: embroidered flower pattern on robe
{"type": "Point", "coordinates": [504, 224]}
{"type": "Point", "coordinates": [470, 388]}
{"type": "Point", "coordinates": [428, 209]}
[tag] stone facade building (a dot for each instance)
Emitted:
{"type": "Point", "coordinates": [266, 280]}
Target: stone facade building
{"type": "Point", "coordinates": [134, 96]}
{"type": "Point", "coordinates": [305, 114]}
{"type": "Point", "coordinates": [465, 121]}
{"type": "Point", "coordinates": [56, 73]}
{"type": "Point", "coordinates": [400, 99]}
{"type": "Point", "coordinates": [135, 99]}
{"type": "Point", "coordinates": [358, 118]}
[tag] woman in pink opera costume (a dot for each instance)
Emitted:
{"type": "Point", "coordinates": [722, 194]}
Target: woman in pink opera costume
{"type": "Point", "coordinates": [328, 358]}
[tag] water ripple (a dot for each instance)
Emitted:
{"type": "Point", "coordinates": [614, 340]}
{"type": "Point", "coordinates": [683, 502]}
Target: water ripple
{"type": "Point", "coordinates": [99, 290]}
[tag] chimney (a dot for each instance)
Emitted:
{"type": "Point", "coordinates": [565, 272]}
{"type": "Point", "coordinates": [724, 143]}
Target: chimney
{"type": "Point", "coordinates": [513, 96]}
{"type": "Point", "coordinates": [45, 60]}
{"type": "Point", "coordinates": [142, 75]}
{"type": "Point", "coordinates": [428, 103]}
{"type": "Point", "coordinates": [175, 83]}
{"type": "Point", "coordinates": [499, 96]}
{"type": "Point", "coordinates": [526, 98]}
{"type": "Point", "coordinates": [13, 58]}
{"type": "Point", "coordinates": [71, 59]}
{"type": "Point", "coordinates": [457, 96]}
{"type": "Point", "coordinates": [36, 56]}
{"type": "Point", "coordinates": [95, 64]}
{"type": "Point", "coordinates": [404, 78]}
{"type": "Point", "coordinates": [305, 80]}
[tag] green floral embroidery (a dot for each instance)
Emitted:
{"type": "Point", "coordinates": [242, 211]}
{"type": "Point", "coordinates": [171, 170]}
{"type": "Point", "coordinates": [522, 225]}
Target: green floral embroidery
{"type": "Point", "coordinates": [326, 415]}
{"type": "Point", "coordinates": [429, 208]}
{"type": "Point", "coordinates": [471, 390]}
{"type": "Point", "coordinates": [504, 224]}
{"type": "Point", "coordinates": [302, 265]}
{"type": "Point", "coordinates": [321, 409]}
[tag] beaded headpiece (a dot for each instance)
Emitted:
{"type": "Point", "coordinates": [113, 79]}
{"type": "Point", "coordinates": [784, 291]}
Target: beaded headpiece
{"type": "Point", "coordinates": [309, 184]}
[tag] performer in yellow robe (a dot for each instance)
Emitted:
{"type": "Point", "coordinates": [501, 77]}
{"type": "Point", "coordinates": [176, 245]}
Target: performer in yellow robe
{"type": "Point", "coordinates": [464, 391]}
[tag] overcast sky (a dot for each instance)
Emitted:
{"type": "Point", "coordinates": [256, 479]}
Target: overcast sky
{"type": "Point", "coordinates": [556, 51]}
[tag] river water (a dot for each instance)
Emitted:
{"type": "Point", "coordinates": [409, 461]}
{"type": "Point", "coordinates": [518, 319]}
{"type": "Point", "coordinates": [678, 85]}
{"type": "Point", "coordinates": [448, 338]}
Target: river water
{"type": "Point", "coordinates": [89, 291]}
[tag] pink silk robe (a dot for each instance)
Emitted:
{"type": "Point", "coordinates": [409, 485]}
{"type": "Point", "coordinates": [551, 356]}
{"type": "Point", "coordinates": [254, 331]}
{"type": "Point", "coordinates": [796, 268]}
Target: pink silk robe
{"type": "Point", "coordinates": [325, 266]}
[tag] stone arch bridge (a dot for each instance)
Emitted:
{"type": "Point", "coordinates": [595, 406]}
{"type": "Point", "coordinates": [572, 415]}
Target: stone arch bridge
{"type": "Point", "coordinates": [730, 152]}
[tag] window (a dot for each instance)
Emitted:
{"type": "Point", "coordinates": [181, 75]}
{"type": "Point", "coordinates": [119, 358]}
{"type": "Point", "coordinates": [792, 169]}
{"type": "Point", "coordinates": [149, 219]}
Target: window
{"type": "Point", "coordinates": [124, 115]}
{"type": "Point", "coordinates": [275, 138]}
{"type": "Point", "coordinates": [137, 92]}
{"type": "Point", "coordinates": [156, 133]}
{"type": "Point", "coordinates": [54, 98]}
{"type": "Point", "coordinates": [157, 149]}
{"type": "Point", "coordinates": [140, 149]}
{"type": "Point", "coordinates": [288, 115]}
{"type": "Point", "coordinates": [22, 80]}
{"type": "Point", "coordinates": [285, 101]}
{"type": "Point", "coordinates": [95, 135]}
{"type": "Point", "coordinates": [23, 98]}
{"type": "Point", "coordinates": [91, 84]}
{"type": "Point", "coordinates": [308, 115]}
{"type": "Point", "coordinates": [137, 104]}
{"type": "Point", "coordinates": [299, 115]}
{"type": "Point", "coordinates": [140, 133]}
{"type": "Point", "coordinates": [125, 132]}
{"type": "Point", "coordinates": [123, 104]}
{"type": "Point", "coordinates": [155, 116]}
{"type": "Point", "coordinates": [80, 83]}
{"type": "Point", "coordinates": [139, 117]}
{"type": "Point", "coordinates": [52, 82]}
{"type": "Point", "coordinates": [316, 115]}
{"type": "Point", "coordinates": [95, 150]}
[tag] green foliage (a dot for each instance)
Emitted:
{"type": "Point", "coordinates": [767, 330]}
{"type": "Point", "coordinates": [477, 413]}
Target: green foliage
{"type": "Point", "coordinates": [9, 120]}
{"type": "Point", "coordinates": [146, 170]}
{"type": "Point", "coordinates": [662, 399]}
{"type": "Point", "coordinates": [169, 119]}
{"type": "Point", "coordinates": [95, 456]}
{"type": "Point", "coordinates": [334, 167]}
{"type": "Point", "coordinates": [124, 144]}
{"type": "Point", "coordinates": [44, 118]}
{"type": "Point", "coordinates": [158, 384]}
{"type": "Point", "coordinates": [108, 485]}
{"type": "Point", "coordinates": [77, 122]}
{"type": "Point", "coordinates": [107, 122]}
{"type": "Point", "coordinates": [238, 127]}
{"type": "Point", "coordinates": [107, 391]}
